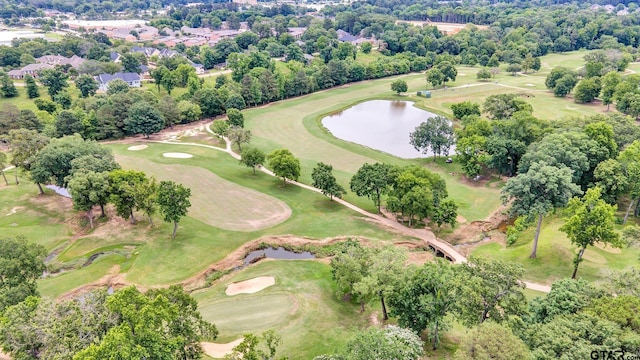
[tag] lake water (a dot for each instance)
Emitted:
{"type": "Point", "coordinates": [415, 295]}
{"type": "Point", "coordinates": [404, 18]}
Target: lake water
{"type": "Point", "coordinates": [59, 190]}
{"type": "Point", "coordinates": [381, 125]}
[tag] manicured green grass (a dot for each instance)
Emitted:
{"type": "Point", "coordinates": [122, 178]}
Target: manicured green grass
{"type": "Point", "coordinates": [556, 253]}
{"type": "Point", "coordinates": [301, 307]}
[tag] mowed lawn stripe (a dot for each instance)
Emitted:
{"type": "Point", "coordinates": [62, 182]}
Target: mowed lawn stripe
{"type": "Point", "coordinates": [242, 209]}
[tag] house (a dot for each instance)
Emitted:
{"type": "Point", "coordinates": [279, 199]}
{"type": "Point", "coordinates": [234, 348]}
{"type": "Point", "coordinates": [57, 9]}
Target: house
{"type": "Point", "coordinates": [75, 61]}
{"type": "Point", "coordinates": [114, 56]}
{"type": "Point", "coordinates": [344, 36]}
{"type": "Point", "coordinates": [132, 79]}
{"type": "Point", "coordinates": [308, 58]}
{"type": "Point", "coordinates": [199, 67]}
{"type": "Point", "coordinates": [297, 32]}
{"type": "Point", "coordinates": [31, 69]}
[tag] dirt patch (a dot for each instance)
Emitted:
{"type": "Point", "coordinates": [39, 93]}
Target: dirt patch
{"type": "Point", "coordinates": [419, 257]}
{"type": "Point", "coordinates": [137, 147]}
{"type": "Point", "coordinates": [445, 28]}
{"type": "Point", "coordinates": [177, 155]}
{"type": "Point", "coordinates": [461, 219]}
{"type": "Point", "coordinates": [112, 279]}
{"type": "Point", "coordinates": [218, 351]}
{"type": "Point", "coordinates": [250, 286]}
{"type": "Point", "coordinates": [13, 211]}
{"type": "Point", "coordinates": [608, 248]}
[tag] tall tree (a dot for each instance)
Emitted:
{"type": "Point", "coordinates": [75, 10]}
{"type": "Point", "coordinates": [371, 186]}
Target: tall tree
{"type": "Point", "coordinates": [21, 264]}
{"type": "Point", "coordinates": [324, 180]}
{"type": "Point", "coordinates": [7, 87]}
{"type": "Point", "coordinates": [235, 118]}
{"type": "Point", "coordinates": [399, 86]}
{"type": "Point", "coordinates": [87, 189]}
{"type": "Point", "coordinates": [239, 136]}
{"type": "Point", "coordinates": [491, 341]}
{"type": "Point", "coordinates": [537, 192]}
{"type": "Point", "coordinates": [435, 135]}
{"type": "Point", "coordinates": [371, 180]}
{"type": "Point", "coordinates": [389, 343]}
{"type": "Point", "coordinates": [591, 221]}
{"type": "Point", "coordinates": [385, 265]}
{"type": "Point", "coordinates": [629, 160]}
{"type": "Point", "coordinates": [24, 145]}
{"type": "Point", "coordinates": [130, 63]}
{"type": "Point", "coordinates": [124, 184]}
{"type": "Point", "coordinates": [145, 195]}
{"type": "Point", "coordinates": [3, 164]}
{"type": "Point", "coordinates": [32, 87]}
{"type": "Point", "coordinates": [425, 298]}
{"type": "Point", "coordinates": [87, 85]}
{"type": "Point", "coordinates": [173, 200]}
{"type": "Point", "coordinates": [252, 158]}
{"type": "Point", "coordinates": [54, 80]}
{"type": "Point", "coordinates": [348, 267]}
{"type": "Point", "coordinates": [489, 289]}
{"type": "Point", "coordinates": [284, 165]}
{"type": "Point", "coordinates": [609, 83]}
{"type": "Point", "coordinates": [144, 119]}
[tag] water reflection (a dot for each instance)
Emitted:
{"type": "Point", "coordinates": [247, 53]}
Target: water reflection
{"type": "Point", "coordinates": [379, 124]}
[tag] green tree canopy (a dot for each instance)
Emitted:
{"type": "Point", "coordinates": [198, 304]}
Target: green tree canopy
{"type": "Point", "coordinates": [435, 136]}
{"type": "Point", "coordinates": [324, 180]}
{"type": "Point", "coordinates": [373, 181]}
{"type": "Point", "coordinates": [21, 264]}
{"type": "Point", "coordinates": [284, 164]}
{"type": "Point", "coordinates": [143, 119]}
{"type": "Point", "coordinates": [491, 341]}
{"type": "Point", "coordinates": [173, 200]}
{"type": "Point", "coordinates": [252, 158]}
{"type": "Point", "coordinates": [399, 86]}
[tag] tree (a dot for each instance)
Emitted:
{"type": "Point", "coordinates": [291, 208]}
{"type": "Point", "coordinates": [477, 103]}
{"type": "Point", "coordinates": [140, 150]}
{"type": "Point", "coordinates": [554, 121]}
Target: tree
{"type": "Point", "coordinates": [449, 72]}
{"type": "Point", "coordinates": [538, 191]}
{"type": "Point", "coordinates": [53, 163]}
{"type": "Point", "coordinates": [324, 180]}
{"type": "Point", "coordinates": [503, 106]}
{"type": "Point", "coordinates": [587, 90]}
{"type": "Point", "coordinates": [145, 195]}
{"type": "Point", "coordinates": [514, 69]}
{"type": "Point", "coordinates": [567, 296]}
{"type": "Point", "coordinates": [7, 87]}
{"type": "Point", "coordinates": [564, 85]}
{"type": "Point", "coordinates": [252, 158]}
{"type": "Point", "coordinates": [117, 86]}
{"type": "Point", "coordinates": [371, 180]}
{"type": "Point", "coordinates": [390, 343]}
{"type": "Point", "coordinates": [54, 80]}
{"type": "Point", "coordinates": [123, 191]}
{"type": "Point", "coordinates": [21, 264]}
{"type": "Point", "coordinates": [489, 289]}
{"type": "Point", "coordinates": [491, 341]}
{"type": "Point", "coordinates": [446, 213]}
{"type": "Point", "coordinates": [435, 135]}
{"type": "Point", "coordinates": [87, 189]}
{"type": "Point", "coordinates": [348, 267]}
{"type": "Point", "coordinates": [235, 118]}
{"type": "Point", "coordinates": [87, 85]}
{"type": "Point", "coordinates": [399, 86]}
{"type": "Point", "coordinates": [3, 164]}
{"type": "Point", "coordinates": [162, 324]}
{"type": "Point", "coordinates": [609, 83]}
{"type": "Point", "coordinates": [366, 47]}
{"type": "Point", "coordinates": [558, 73]}
{"type": "Point", "coordinates": [159, 74]}
{"type": "Point", "coordinates": [435, 77]}
{"type": "Point", "coordinates": [382, 276]}
{"type": "Point", "coordinates": [250, 349]}
{"type": "Point", "coordinates": [130, 63]}
{"type": "Point", "coordinates": [143, 119]}
{"type": "Point", "coordinates": [25, 144]}
{"type": "Point", "coordinates": [294, 53]}
{"type": "Point", "coordinates": [629, 160]}
{"type": "Point", "coordinates": [32, 87]}
{"type": "Point", "coordinates": [284, 165]}
{"type": "Point", "coordinates": [239, 136]}
{"type": "Point", "coordinates": [67, 123]}
{"type": "Point", "coordinates": [173, 200]}
{"type": "Point", "coordinates": [220, 128]}
{"type": "Point", "coordinates": [424, 299]}
{"type": "Point", "coordinates": [484, 74]}
{"type": "Point", "coordinates": [465, 108]}
{"type": "Point", "coordinates": [591, 221]}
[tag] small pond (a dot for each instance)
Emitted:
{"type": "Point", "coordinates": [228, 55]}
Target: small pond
{"type": "Point", "coordinates": [279, 253]}
{"type": "Point", "coordinates": [380, 124]}
{"type": "Point", "coordinates": [59, 190]}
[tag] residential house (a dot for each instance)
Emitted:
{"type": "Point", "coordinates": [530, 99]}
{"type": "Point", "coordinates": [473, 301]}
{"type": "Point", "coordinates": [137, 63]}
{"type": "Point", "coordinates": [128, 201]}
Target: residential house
{"type": "Point", "coordinates": [75, 61]}
{"type": "Point", "coordinates": [132, 79]}
{"type": "Point", "coordinates": [114, 56]}
{"type": "Point", "coordinates": [199, 67]}
{"type": "Point", "coordinates": [344, 36]}
{"type": "Point", "coordinates": [31, 69]}
{"type": "Point", "coordinates": [297, 32]}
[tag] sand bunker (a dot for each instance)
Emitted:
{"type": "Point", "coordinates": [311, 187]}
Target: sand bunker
{"type": "Point", "coordinates": [177, 155]}
{"type": "Point", "coordinates": [250, 286]}
{"type": "Point", "coordinates": [137, 147]}
{"type": "Point", "coordinates": [218, 351]}
{"type": "Point", "coordinates": [529, 84]}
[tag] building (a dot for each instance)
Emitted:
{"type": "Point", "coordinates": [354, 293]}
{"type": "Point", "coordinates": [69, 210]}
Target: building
{"type": "Point", "coordinates": [75, 61]}
{"type": "Point", "coordinates": [31, 69]}
{"type": "Point", "coordinates": [344, 36]}
{"type": "Point", "coordinates": [132, 79]}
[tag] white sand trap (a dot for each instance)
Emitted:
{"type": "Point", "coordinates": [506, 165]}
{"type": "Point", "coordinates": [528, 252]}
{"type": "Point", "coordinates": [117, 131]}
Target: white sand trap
{"type": "Point", "coordinates": [250, 286]}
{"type": "Point", "coordinates": [529, 84]}
{"type": "Point", "coordinates": [177, 155]}
{"type": "Point", "coordinates": [137, 147]}
{"type": "Point", "coordinates": [218, 351]}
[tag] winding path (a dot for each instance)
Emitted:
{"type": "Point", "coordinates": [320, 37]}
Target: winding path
{"type": "Point", "coordinates": [423, 234]}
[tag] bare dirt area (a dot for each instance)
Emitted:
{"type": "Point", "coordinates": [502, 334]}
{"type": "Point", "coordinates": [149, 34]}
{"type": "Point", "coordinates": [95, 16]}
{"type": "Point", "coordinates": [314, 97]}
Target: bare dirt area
{"type": "Point", "coordinates": [250, 286]}
{"type": "Point", "coordinates": [218, 351]}
{"type": "Point", "coordinates": [469, 236]}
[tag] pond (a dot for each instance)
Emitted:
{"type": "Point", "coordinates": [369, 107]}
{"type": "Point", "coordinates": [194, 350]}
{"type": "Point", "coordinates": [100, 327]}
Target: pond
{"type": "Point", "coordinates": [279, 253]}
{"type": "Point", "coordinates": [59, 190]}
{"type": "Point", "coordinates": [380, 124]}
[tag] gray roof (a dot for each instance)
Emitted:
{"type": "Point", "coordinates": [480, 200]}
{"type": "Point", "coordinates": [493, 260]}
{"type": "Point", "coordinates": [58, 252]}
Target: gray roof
{"type": "Point", "coordinates": [128, 77]}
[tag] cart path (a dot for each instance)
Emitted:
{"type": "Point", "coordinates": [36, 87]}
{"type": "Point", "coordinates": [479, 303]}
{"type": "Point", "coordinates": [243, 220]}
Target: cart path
{"type": "Point", "coordinates": [423, 234]}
